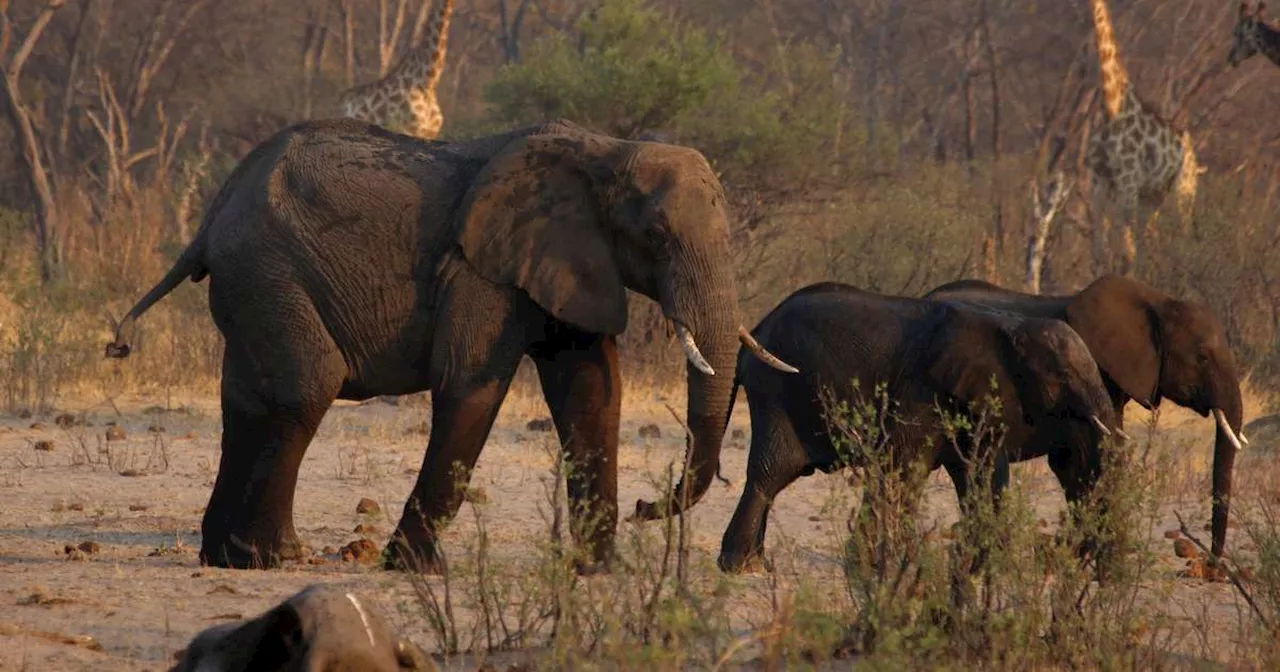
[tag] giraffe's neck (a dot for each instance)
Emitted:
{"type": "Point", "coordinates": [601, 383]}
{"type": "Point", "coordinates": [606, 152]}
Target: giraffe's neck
{"type": "Point", "coordinates": [1115, 81]}
{"type": "Point", "coordinates": [429, 56]}
{"type": "Point", "coordinates": [1267, 40]}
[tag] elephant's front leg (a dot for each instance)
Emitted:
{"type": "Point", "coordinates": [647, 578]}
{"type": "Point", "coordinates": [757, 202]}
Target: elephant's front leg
{"type": "Point", "coordinates": [461, 419]}
{"type": "Point", "coordinates": [775, 461]}
{"type": "Point", "coordinates": [583, 388]}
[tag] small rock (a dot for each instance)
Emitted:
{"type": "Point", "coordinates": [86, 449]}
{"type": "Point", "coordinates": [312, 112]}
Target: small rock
{"type": "Point", "coordinates": [1172, 534]}
{"type": "Point", "coordinates": [43, 446]}
{"type": "Point", "coordinates": [365, 528]}
{"type": "Point", "coordinates": [738, 433]}
{"type": "Point", "coordinates": [539, 425]}
{"type": "Point", "coordinates": [229, 616]}
{"type": "Point", "coordinates": [139, 507]}
{"type": "Point", "coordinates": [131, 473]}
{"type": "Point", "coordinates": [1183, 548]}
{"type": "Point", "coordinates": [114, 433]}
{"type": "Point", "coordinates": [90, 547]}
{"type": "Point", "coordinates": [330, 550]}
{"type": "Point", "coordinates": [362, 551]}
{"type": "Point", "coordinates": [77, 555]}
{"type": "Point", "coordinates": [422, 429]}
{"type": "Point", "coordinates": [650, 431]}
{"type": "Point", "coordinates": [317, 560]}
{"type": "Point", "coordinates": [196, 575]}
{"type": "Point", "coordinates": [368, 507]}
{"type": "Point", "coordinates": [155, 429]}
{"type": "Point", "coordinates": [66, 420]}
{"type": "Point", "coordinates": [75, 506]}
{"type": "Point", "coordinates": [815, 519]}
{"type": "Point", "coordinates": [37, 426]}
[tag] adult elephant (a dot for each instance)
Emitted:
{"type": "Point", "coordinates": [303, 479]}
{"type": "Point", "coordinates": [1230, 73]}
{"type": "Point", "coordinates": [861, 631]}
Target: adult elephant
{"type": "Point", "coordinates": [346, 261]}
{"type": "Point", "coordinates": [929, 357]}
{"type": "Point", "coordinates": [1150, 346]}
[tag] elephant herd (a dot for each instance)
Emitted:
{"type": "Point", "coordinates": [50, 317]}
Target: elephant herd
{"type": "Point", "coordinates": [346, 262]}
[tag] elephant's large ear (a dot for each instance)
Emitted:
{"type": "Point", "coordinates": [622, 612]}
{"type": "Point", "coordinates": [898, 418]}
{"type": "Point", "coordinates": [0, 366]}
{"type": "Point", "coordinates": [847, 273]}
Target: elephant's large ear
{"type": "Point", "coordinates": [967, 354]}
{"type": "Point", "coordinates": [533, 219]}
{"type": "Point", "coordinates": [1115, 318]}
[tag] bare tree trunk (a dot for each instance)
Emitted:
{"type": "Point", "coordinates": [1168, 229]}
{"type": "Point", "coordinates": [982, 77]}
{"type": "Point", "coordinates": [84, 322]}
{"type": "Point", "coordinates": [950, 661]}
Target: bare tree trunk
{"type": "Point", "coordinates": [33, 153]}
{"type": "Point", "coordinates": [69, 88]}
{"type": "Point", "coordinates": [1045, 209]}
{"type": "Point", "coordinates": [349, 40]}
{"type": "Point", "coordinates": [993, 72]}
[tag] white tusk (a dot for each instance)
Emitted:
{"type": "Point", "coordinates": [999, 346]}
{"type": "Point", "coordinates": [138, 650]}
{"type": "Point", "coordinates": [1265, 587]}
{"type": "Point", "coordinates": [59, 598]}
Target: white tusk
{"type": "Point", "coordinates": [363, 619]}
{"type": "Point", "coordinates": [691, 351]}
{"type": "Point", "coordinates": [1243, 439]}
{"type": "Point", "coordinates": [765, 356]}
{"type": "Point", "coordinates": [1101, 427]}
{"type": "Point", "coordinates": [1120, 433]}
{"type": "Point", "coordinates": [1226, 427]}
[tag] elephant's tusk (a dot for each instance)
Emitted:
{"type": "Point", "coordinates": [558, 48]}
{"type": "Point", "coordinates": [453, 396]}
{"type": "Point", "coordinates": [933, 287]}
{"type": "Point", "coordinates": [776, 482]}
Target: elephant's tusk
{"type": "Point", "coordinates": [691, 351]}
{"type": "Point", "coordinates": [1121, 433]}
{"type": "Point", "coordinates": [363, 619]}
{"type": "Point", "coordinates": [765, 356]}
{"type": "Point", "coordinates": [1101, 427]}
{"type": "Point", "coordinates": [1226, 427]}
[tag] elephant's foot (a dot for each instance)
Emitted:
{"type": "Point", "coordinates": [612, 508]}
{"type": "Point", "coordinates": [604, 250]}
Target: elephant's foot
{"type": "Point", "coordinates": [249, 552]}
{"type": "Point", "coordinates": [739, 563]}
{"type": "Point", "coordinates": [408, 554]}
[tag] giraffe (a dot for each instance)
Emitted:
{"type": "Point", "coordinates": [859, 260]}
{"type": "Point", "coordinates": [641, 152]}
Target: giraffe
{"type": "Point", "coordinates": [1253, 36]}
{"type": "Point", "coordinates": [405, 99]}
{"type": "Point", "coordinates": [1139, 156]}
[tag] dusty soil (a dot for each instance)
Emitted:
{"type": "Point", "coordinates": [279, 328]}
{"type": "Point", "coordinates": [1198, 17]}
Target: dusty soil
{"type": "Point", "coordinates": [138, 596]}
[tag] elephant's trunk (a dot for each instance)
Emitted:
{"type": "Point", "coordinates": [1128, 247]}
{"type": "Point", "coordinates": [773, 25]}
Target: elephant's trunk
{"type": "Point", "coordinates": [705, 309]}
{"type": "Point", "coordinates": [1225, 446]}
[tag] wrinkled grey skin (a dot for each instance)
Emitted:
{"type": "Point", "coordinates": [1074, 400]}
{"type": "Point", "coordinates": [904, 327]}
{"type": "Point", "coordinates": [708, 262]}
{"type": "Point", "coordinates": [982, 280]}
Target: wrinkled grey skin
{"type": "Point", "coordinates": [320, 629]}
{"type": "Point", "coordinates": [346, 261]}
{"type": "Point", "coordinates": [1150, 346]}
{"type": "Point", "coordinates": [925, 353]}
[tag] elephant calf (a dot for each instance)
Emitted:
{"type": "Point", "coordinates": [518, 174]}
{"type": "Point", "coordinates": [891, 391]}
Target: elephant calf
{"type": "Point", "coordinates": [319, 628]}
{"type": "Point", "coordinates": [928, 355]}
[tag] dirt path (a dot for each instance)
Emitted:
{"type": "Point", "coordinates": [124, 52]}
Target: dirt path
{"type": "Point", "coordinates": [141, 595]}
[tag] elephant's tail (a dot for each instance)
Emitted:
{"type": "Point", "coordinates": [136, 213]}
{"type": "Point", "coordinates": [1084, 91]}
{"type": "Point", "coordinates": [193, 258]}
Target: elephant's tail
{"type": "Point", "coordinates": [190, 264]}
{"type": "Point", "coordinates": [733, 397]}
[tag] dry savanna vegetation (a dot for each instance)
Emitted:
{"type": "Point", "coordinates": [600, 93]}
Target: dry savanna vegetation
{"type": "Point", "coordinates": [892, 145]}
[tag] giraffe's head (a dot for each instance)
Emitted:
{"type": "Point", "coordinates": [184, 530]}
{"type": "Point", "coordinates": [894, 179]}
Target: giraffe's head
{"type": "Point", "coordinates": [1188, 177]}
{"type": "Point", "coordinates": [1247, 34]}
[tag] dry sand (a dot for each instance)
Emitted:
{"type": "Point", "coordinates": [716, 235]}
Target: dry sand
{"type": "Point", "coordinates": [142, 595]}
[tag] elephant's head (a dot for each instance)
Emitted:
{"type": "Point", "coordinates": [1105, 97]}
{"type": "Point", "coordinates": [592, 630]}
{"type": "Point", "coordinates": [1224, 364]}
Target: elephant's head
{"type": "Point", "coordinates": [1042, 370]}
{"type": "Point", "coordinates": [317, 629]}
{"type": "Point", "coordinates": [1153, 346]}
{"type": "Point", "coordinates": [575, 219]}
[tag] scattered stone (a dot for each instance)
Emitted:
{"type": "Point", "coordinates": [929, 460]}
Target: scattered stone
{"type": "Point", "coordinates": [1183, 548]}
{"type": "Point", "coordinates": [1172, 534]}
{"type": "Point", "coordinates": [196, 575]}
{"type": "Point", "coordinates": [368, 507]}
{"type": "Point", "coordinates": [422, 429]}
{"type": "Point", "coordinates": [114, 433]}
{"type": "Point", "coordinates": [1199, 569]}
{"type": "Point", "coordinates": [155, 429]}
{"type": "Point", "coordinates": [650, 431]}
{"type": "Point", "coordinates": [317, 560]}
{"type": "Point", "coordinates": [738, 433]}
{"type": "Point", "coordinates": [365, 528]}
{"type": "Point", "coordinates": [131, 473]}
{"type": "Point", "coordinates": [66, 420]}
{"type": "Point", "coordinates": [475, 495]}
{"type": "Point", "coordinates": [539, 425]}
{"type": "Point", "coordinates": [362, 551]}
{"type": "Point", "coordinates": [77, 555]}
{"type": "Point", "coordinates": [815, 519]}
{"type": "Point", "coordinates": [43, 446]}
{"type": "Point", "coordinates": [75, 506]}
{"type": "Point", "coordinates": [139, 507]}
{"type": "Point", "coordinates": [330, 550]}
{"type": "Point", "coordinates": [224, 588]}
{"type": "Point", "coordinates": [229, 616]}
{"type": "Point", "coordinates": [90, 547]}
{"type": "Point", "coordinates": [37, 426]}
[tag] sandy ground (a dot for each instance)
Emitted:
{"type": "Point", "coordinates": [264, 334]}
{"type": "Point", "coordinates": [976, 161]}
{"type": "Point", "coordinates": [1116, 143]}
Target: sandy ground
{"type": "Point", "coordinates": [142, 594]}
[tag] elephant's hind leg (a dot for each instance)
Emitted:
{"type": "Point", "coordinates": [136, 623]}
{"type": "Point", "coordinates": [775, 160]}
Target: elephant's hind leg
{"type": "Point", "coordinates": [275, 392]}
{"type": "Point", "coordinates": [584, 392]}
